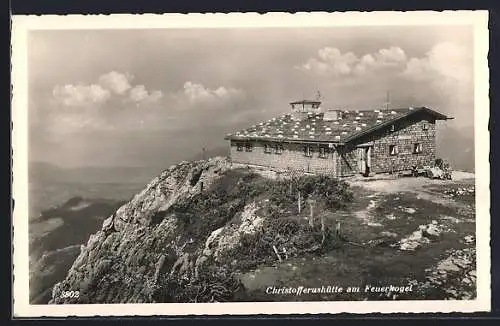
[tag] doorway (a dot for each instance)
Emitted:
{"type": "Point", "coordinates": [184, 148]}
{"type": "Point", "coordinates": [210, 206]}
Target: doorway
{"type": "Point", "coordinates": [364, 160]}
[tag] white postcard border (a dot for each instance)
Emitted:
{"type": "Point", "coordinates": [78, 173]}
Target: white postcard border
{"type": "Point", "coordinates": [21, 25]}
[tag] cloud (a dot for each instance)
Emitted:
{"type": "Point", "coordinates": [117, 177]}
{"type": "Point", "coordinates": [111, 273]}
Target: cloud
{"type": "Point", "coordinates": [112, 103]}
{"type": "Point", "coordinates": [332, 62]}
{"type": "Point", "coordinates": [199, 94]}
{"type": "Point", "coordinates": [140, 94]}
{"type": "Point", "coordinates": [110, 86]}
{"type": "Point", "coordinates": [441, 77]}
{"type": "Point", "coordinates": [106, 104]}
{"type": "Point", "coordinates": [443, 60]}
{"type": "Point", "coordinates": [117, 82]}
{"type": "Point", "coordinates": [445, 74]}
{"type": "Point", "coordinates": [80, 95]}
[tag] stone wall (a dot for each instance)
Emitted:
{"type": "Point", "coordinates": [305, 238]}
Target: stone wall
{"type": "Point", "coordinates": [292, 157]}
{"type": "Point", "coordinates": [344, 159]}
{"type": "Point", "coordinates": [406, 134]}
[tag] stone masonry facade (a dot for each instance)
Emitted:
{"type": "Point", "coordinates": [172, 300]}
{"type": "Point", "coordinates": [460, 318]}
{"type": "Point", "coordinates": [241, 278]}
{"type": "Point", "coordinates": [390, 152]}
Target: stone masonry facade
{"type": "Point", "coordinates": [397, 145]}
{"type": "Point", "coordinates": [414, 141]}
{"type": "Point", "coordinates": [291, 156]}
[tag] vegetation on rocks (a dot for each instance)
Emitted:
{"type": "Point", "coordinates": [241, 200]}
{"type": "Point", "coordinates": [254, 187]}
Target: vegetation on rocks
{"type": "Point", "coordinates": [281, 229]}
{"type": "Point", "coordinates": [213, 285]}
{"type": "Point", "coordinates": [290, 237]}
{"type": "Point", "coordinates": [192, 229]}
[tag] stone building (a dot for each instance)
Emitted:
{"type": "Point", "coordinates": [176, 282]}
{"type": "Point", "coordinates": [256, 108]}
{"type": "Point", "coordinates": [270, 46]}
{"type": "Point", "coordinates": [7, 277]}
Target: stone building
{"type": "Point", "coordinates": [339, 142]}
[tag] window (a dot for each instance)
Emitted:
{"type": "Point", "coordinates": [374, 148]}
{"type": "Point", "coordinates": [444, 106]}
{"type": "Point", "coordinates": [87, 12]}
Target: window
{"type": "Point", "coordinates": [239, 147]}
{"type": "Point", "coordinates": [393, 149]}
{"type": "Point", "coordinates": [323, 152]}
{"type": "Point", "coordinates": [278, 149]}
{"type": "Point", "coordinates": [425, 126]}
{"type": "Point", "coordinates": [267, 148]}
{"type": "Point", "coordinates": [248, 147]}
{"type": "Point", "coordinates": [308, 151]}
{"type": "Point", "coordinates": [417, 148]}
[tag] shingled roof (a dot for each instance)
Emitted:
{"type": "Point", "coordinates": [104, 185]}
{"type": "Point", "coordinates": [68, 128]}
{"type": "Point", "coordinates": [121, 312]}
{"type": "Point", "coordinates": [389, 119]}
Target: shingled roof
{"type": "Point", "coordinates": [313, 128]}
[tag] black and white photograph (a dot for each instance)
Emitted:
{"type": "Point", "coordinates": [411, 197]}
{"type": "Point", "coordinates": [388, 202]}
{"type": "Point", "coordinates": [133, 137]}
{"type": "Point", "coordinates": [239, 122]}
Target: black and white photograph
{"type": "Point", "coordinates": [286, 163]}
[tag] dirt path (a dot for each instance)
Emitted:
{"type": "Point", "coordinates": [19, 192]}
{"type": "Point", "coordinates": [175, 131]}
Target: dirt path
{"type": "Point", "coordinates": [424, 188]}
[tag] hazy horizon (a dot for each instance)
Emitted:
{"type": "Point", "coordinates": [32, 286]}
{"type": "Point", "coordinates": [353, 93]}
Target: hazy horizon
{"type": "Point", "coordinates": [151, 98]}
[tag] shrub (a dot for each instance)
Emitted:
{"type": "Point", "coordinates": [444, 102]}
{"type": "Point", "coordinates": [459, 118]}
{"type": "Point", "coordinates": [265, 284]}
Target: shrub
{"type": "Point", "coordinates": [335, 194]}
{"type": "Point", "coordinates": [213, 285]}
{"type": "Point", "coordinates": [295, 236]}
{"type": "Point", "coordinates": [209, 210]}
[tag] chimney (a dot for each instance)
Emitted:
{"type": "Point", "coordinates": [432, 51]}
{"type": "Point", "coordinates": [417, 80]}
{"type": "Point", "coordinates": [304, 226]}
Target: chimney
{"type": "Point", "coordinates": [302, 109]}
{"type": "Point", "coordinates": [332, 114]}
{"type": "Point", "coordinates": [298, 116]}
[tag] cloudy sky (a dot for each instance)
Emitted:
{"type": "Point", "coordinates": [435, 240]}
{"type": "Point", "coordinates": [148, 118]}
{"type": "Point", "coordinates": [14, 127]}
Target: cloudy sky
{"type": "Point", "coordinates": [154, 97]}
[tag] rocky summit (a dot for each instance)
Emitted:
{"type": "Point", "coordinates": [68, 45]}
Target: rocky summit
{"type": "Point", "coordinates": [124, 260]}
{"type": "Point", "coordinates": [188, 234]}
{"type": "Point", "coordinates": [213, 231]}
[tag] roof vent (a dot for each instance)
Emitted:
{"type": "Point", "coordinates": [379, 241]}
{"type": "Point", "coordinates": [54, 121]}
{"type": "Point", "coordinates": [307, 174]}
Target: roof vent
{"type": "Point", "coordinates": [332, 115]}
{"type": "Point", "coordinates": [304, 109]}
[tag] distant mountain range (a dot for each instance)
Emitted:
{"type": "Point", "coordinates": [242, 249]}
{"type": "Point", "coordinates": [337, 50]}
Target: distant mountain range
{"type": "Point", "coordinates": [90, 174]}
{"type": "Point", "coordinates": [42, 171]}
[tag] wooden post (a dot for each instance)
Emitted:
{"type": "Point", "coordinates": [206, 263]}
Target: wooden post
{"type": "Point", "coordinates": [286, 254]}
{"type": "Point", "coordinates": [300, 202]}
{"type": "Point", "coordinates": [311, 217]}
{"type": "Point", "coordinates": [311, 203]}
{"type": "Point", "coordinates": [322, 229]}
{"type": "Point", "coordinates": [277, 253]}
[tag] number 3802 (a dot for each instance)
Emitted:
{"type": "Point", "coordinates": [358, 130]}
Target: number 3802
{"type": "Point", "coordinates": [70, 294]}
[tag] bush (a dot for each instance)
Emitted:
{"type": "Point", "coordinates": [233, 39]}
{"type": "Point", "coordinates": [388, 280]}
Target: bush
{"type": "Point", "coordinates": [295, 236]}
{"type": "Point", "coordinates": [211, 209]}
{"type": "Point", "coordinates": [230, 194]}
{"type": "Point", "coordinates": [213, 285]}
{"type": "Point", "coordinates": [334, 193]}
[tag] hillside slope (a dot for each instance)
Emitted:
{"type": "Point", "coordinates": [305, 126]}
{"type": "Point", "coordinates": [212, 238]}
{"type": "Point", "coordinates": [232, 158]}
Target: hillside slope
{"type": "Point", "coordinates": [188, 225]}
{"type": "Point", "coordinates": [55, 239]}
{"type": "Point", "coordinates": [208, 231]}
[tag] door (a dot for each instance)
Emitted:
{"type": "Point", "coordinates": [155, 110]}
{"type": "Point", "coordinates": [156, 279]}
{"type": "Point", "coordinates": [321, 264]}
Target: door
{"type": "Point", "coordinates": [364, 160]}
{"type": "Point", "coordinates": [368, 160]}
{"type": "Point", "coordinates": [361, 160]}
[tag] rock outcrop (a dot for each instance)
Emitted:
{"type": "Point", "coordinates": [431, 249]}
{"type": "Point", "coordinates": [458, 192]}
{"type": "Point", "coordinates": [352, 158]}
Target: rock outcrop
{"type": "Point", "coordinates": [143, 241]}
{"type": "Point", "coordinates": [187, 235]}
